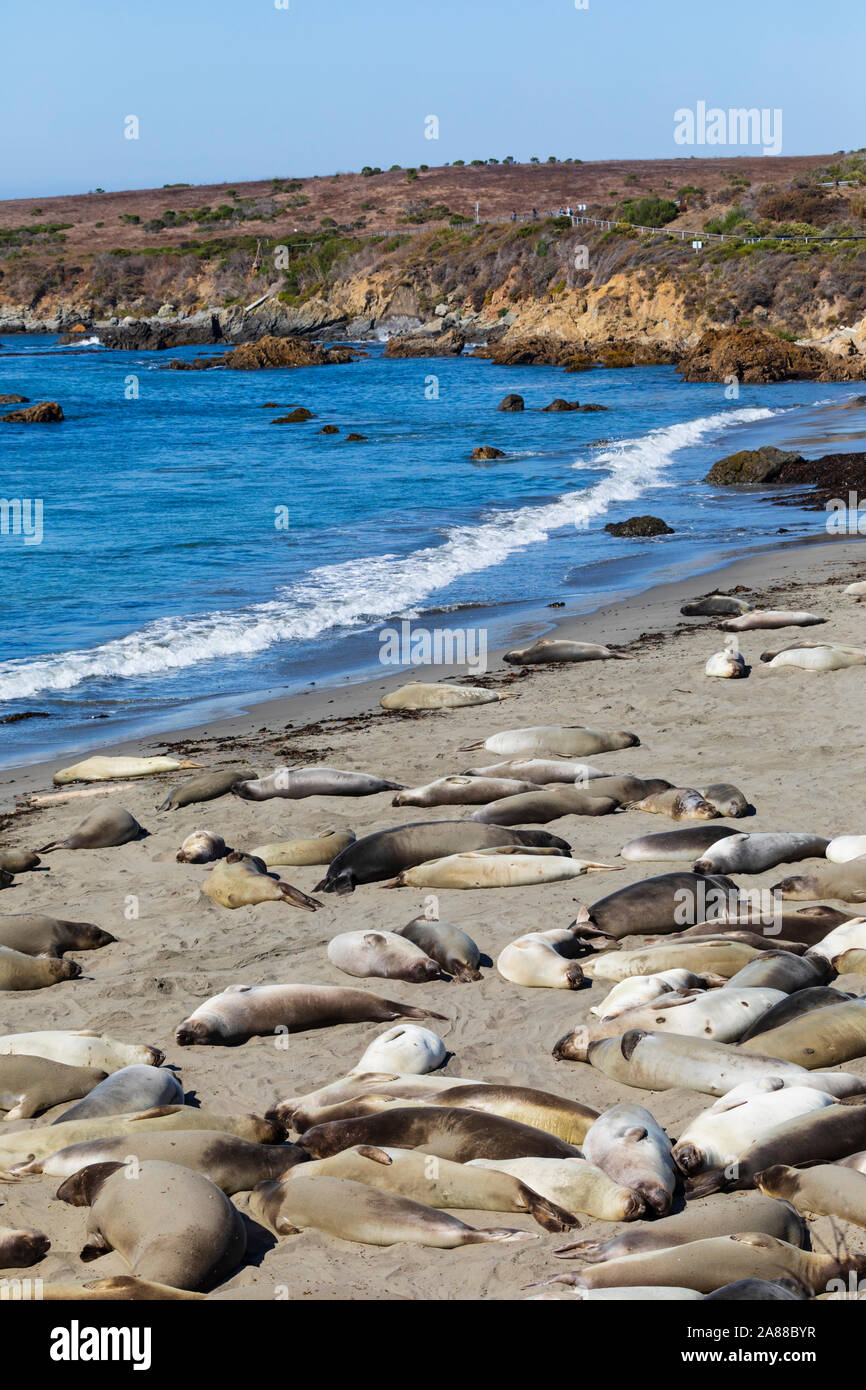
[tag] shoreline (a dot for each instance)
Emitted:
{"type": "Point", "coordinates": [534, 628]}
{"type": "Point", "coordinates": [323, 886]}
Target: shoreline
{"type": "Point", "coordinates": [648, 614]}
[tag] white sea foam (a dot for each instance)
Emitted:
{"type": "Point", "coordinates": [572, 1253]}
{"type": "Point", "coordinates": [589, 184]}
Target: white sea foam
{"type": "Point", "coordinates": [361, 593]}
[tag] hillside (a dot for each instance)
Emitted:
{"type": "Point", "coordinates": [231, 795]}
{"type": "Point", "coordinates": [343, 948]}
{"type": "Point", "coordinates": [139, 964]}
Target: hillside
{"type": "Point", "coordinates": [384, 252]}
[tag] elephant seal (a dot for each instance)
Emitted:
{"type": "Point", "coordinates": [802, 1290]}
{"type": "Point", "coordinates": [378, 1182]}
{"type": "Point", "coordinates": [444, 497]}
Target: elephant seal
{"type": "Point", "coordinates": [719, 1216]}
{"type": "Point", "coordinates": [421, 695]}
{"type": "Point", "coordinates": [19, 971]}
{"type": "Point", "coordinates": [29, 1085]}
{"type": "Point", "coordinates": [241, 1012]}
{"type": "Point", "coordinates": [847, 882]}
{"type": "Point", "coordinates": [758, 1291]}
{"type": "Point", "coordinates": [102, 769]}
{"type": "Point", "coordinates": [405, 1049]}
{"type": "Point", "coordinates": [572, 1183]}
{"type": "Point", "coordinates": [439, 1183]}
{"type": "Point", "coordinates": [354, 1211]}
{"type": "Point", "coordinates": [502, 867]}
{"type": "Point", "coordinates": [850, 962]}
{"type": "Point", "coordinates": [844, 847]}
{"type": "Point", "coordinates": [126, 1091]}
{"type": "Point", "coordinates": [453, 951]}
{"type": "Point", "coordinates": [81, 1049]}
{"type": "Point", "coordinates": [241, 880]}
{"type": "Point", "coordinates": [666, 1061]}
{"type": "Point", "coordinates": [6, 879]}
{"type": "Point", "coordinates": [815, 656]}
{"type": "Point", "coordinates": [444, 1132]}
{"type": "Point", "coordinates": [550, 649]}
{"type": "Point", "coordinates": [32, 1145]}
{"type": "Point", "coordinates": [715, 606]}
{"type": "Point", "coordinates": [540, 771]}
{"type": "Point", "coordinates": [674, 844]}
{"type": "Point", "coordinates": [752, 854]}
{"type": "Point", "coordinates": [781, 970]}
{"type": "Point", "coordinates": [20, 1249]}
{"type": "Point", "coordinates": [207, 787]}
{"type": "Point", "coordinates": [35, 935]}
{"type": "Point", "coordinates": [819, 1039]}
{"type": "Point", "coordinates": [709, 1264]}
{"type": "Point", "coordinates": [680, 803]}
{"type": "Point", "coordinates": [665, 903]}
{"type": "Point", "coordinates": [21, 861]}
{"type": "Point", "coordinates": [121, 1288]}
{"type": "Point", "coordinates": [727, 666]}
{"type": "Point", "coordinates": [320, 849]}
{"type": "Point", "coordinates": [858, 589]}
{"type": "Point", "coordinates": [537, 807]}
{"type": "Point", "coordinates": [102, 829]}
{"type": "Point", "coordinates": [833, 1083]}
{"type": "Point", "coordinates": [381, 954]}
{"type": "Point", "coordinates": [830, 1189]}
{"type": "Point", "coordinates": [557, 1115]}
{"type": "Point", "coordinates": [805, 925]}
{"type": "Point", "coordinates": [294, 783]}
{"type": "Point", "coordinates": [360, 1093]}
{"type": "Point", "coordinates": [636, 990]}
{"type": "Point", "coordinates": [628, 1144]}
{"type": "Point", "coordinates": [821, 1135]}
{"type": "Point", "coordinates": [717, 1137]}
{"type": "Point", "coordinates": [727, 799]}
{"type": "Point", "coordinates": [170, 1224]}
{"type": "Point", "coordinates": [770, 618]}
{"type": "Point", "coordinates": [720, 1014]}
{"type": "Point", "coordinates": [847, 936]}
{"type": "Point", "coordinates": [202, 847]}
{"type": "Point", "coordinates": [385, 853]}
{"type": "Point", "coordinates": [552, 740]}
{"type": "Point", "coordinates": [232, 1163]}
{"type": "Point", "coordinates": [700, 956]}
{"type": "Point", "coordinates": [462, 791]}
{"type": "Point", "coordinates": [542, 960]}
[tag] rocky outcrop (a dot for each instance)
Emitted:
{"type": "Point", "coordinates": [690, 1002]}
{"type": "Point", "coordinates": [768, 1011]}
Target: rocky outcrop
{"type": "Point", "coordinates": [639, 526]}
{"type": "Point", "coordinates": [487, 451]}
{"type": "Point", "coordinates": [754, 357]}
{"type": "Point", "coordinates": [529, 352]}
{"type": "Point", "coordinates": [297, 417]}
{"type": "Point", "coordinates": [354, 438]}
{"type": "Point", "coordinates": [329, 429]}
{"type": "Point", "coordinates": [448, 344]}
{"type": "Point", "coordinates": [511, 402]}
{"type": "Point", "coordinates": [44, 413]}
{"type": "Point", "coordinates": [559, 405]}
{"type": "Point", "coordinates": [14, 400]}
{"type": "Point", "coordinates": [750, 466]}
{"type": "Point", "coordinates": [268, 352]}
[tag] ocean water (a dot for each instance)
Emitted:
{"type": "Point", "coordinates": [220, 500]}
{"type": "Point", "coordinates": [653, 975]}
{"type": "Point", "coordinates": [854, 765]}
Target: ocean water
{"type": "Point", "coordinates": [194, 557]}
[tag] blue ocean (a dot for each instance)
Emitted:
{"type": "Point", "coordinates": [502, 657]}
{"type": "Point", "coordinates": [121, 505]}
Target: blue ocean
{"type": "Point", "coordinates": [192, 557]}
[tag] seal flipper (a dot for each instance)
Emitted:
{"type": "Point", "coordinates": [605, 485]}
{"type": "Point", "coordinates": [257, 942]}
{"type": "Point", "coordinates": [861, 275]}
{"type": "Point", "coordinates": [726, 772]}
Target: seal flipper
{"type": "Point", "coordinates": [374, 1154]}
{"type": "Point", "coordinates": [299, 899]}
{"type": "Point", "coordinates": [547, 1213]}
{"type": "Point", "coordinates": [96, 1246]}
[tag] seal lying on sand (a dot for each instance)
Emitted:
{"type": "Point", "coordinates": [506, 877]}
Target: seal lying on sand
{"type": "Point", "coordinates": [440, 1183]}
{"type": "Point", "coordinates": [126, 1091]}
{"type": "Point", "coordinates": [418, 695]}
{"type": "Point", "coordinates": [827, 1190]}
{"type": "Point", "coordinates": [246, 1011]}
{"type": "Point", "coordinates": [319, 849]}
{"type": "Point", "coordinates": [381, 954]}
{"type": "Point", "coordinates": [202, 847]}
{"type": "Point", "coordinates": [387, 852]}
{"type": "Point", "coordinates": [242, 880]}
{"type": "Point", "coordinates": [501, 867]}
{"type": "Point", "coordinates": [102, 829]}
{"type": "Point", "coordinates": [35, 935]}
{"type": "Point", "coordinates": [553, 740]}
{"type": "Point", "coordinates": [102, 769]}
{"type": "Point", "coordinates": [20, 1249]}
{"type": "Point", "coordinates": [18, 861]}
{"type": "Point", "coordinates": [354, 1211]}
{"type": "Point", "coordinates": [170, 1225]}
{"type": "Point", "coordinates": [665, 903]}
{"type": "Point", "coordinates": [770, 618]}
{"type": "Point", "coordinates": [81, 1049]}
{"type": "Point", "coordinates": [628, 1144]}
{"type": "Point", "coordinates": [454, 952]}
{"type": "Point", "coordinates": [716, 1138]}
{"type": "Point", "coordinates": [551, 649]}
{"type": "Point", "coordinates": [29, 1085]}
{"type": "Point", "coordinates": [294, 783]}
{"type": "Point", "coordinates": [666, 1061]}
{"type": "Point", "coordinates": [719, 1216]}
{"type": "Point", "coordinates": [444, 1132]}
{"type": "Point", "coordinates": [19, 971]}
{"type": "Point", "coordinates": [207, 787]}
{"type": "Point", "coordinates": [462, 791]}
{"type": "Point", "coordinates": [543, 960]}
{"type": "Point", "coordinates": [234, 1164]}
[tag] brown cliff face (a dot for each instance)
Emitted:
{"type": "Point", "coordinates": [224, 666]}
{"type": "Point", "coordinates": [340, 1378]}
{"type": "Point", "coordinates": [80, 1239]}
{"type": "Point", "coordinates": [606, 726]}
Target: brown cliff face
{"type": "Point", "coordinates": [753, 356]}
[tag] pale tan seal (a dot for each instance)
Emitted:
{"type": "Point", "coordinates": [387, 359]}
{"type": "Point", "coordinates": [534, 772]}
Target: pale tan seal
{"type": "Point", "coordinates": [19, 971]}
{"type": "Point", "coordinates": [202, 847]}
{"type": "Point", "coordinates": [720, 1014]}
{"type": "Point", "coordinates": [816, 1040]}
{"type": "Point", "coordinates": [718, 1216]}
{"type": "Point", "coordinates": [815, 656]}
{"type": "Point", "coordinates": [353, 1211]}
{"type": "Point", "coordinates": [572, 1183]}
{"type": "Point", "coordinates": [553, 740]}
{"type": "Point", "coordinates": [717, 1137]}
{"type": "Point", "coordinates": [318, 849]}
{"type": "Point", "coordinates": [727, 666]}
{"type": "Point", "coordinates": [823, 1135]}
{"type": "Point", "coordinates": [241, 1012]}
{"type": "Point", "coordinates": [29, 1085]}
{"type": "Point", "coordinates": [680, 803]}
{"type": "Point", "coordinates": [462, 791]}
{"type": "Point", "coordinates": [770, 618]}
{"type": "Point", "coordinates": [437, 1182]}
{"type": "Point", "coordinates": [700, 956]}
{"type": "Point", "coordinates": [543, 960]}
{"type": "Point", "coordinates": [169, 1224]}
{"type": "Point", "coordinates": [540, 771]}
{"type": "Point", "coordinates": [628, 1144]}
{"type": "Point", "coordinates": [553, 650]}
{"type": "Point", "coordinates": [421, 695]}
{"type": "Point", "coordinates": [49, 1139]}
{"type": "Point", "coordinates": [18, 861]}
{"type": "Point", "coordinates": [504, 867]}
{"type": "Point", "coordinates": [829, 1189]}
{"type": "Point", "coordinates": [665, 1061]}
{"type": "Point", "coordinates": [540, 806]}
{"type": "Point", "coordinates": [102, 829]}
{"type": "Point", "coordinates": [381, 954]}
{"type": "Point", "coordinates": [83, 1048]}
{"type": "Point", "coordinates": [103, 769]}
{"type": "Point", "coordinates": [241, 880]}
{"type": "Point", "coordinates": [405, 1048]}
{"type": "Point", "coordinates": [847, 882]}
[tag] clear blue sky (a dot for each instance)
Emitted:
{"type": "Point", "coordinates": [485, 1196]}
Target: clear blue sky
{"type": "Point", "coordinates": [239, 89]}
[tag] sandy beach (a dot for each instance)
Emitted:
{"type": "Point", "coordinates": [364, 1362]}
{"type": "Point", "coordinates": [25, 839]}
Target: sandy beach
{"type": "Point", "coordinates": [791, 740]}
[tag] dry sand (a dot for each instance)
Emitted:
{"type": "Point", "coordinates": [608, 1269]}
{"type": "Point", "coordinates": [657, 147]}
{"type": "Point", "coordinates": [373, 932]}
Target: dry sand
{"type": "Point", "coordinates": [791, 740]}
